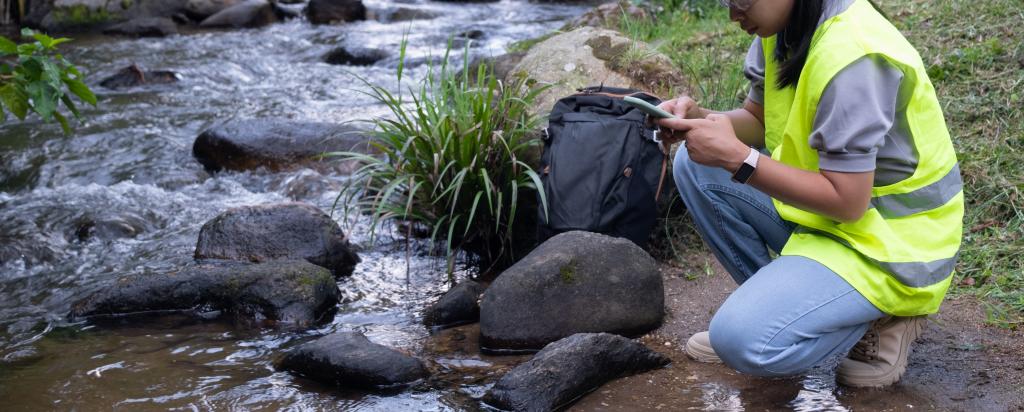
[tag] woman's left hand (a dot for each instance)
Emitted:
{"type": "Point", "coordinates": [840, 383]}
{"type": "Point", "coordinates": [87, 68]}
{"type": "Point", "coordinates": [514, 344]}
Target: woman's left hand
{"type": "Point", "coordinates": [711, 141]}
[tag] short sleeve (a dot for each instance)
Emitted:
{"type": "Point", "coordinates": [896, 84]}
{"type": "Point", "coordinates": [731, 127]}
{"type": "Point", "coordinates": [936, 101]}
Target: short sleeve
{"type": "Point", "coordinates": [854, 115]}
{"type": "Point", "coordinates": [753, 69]}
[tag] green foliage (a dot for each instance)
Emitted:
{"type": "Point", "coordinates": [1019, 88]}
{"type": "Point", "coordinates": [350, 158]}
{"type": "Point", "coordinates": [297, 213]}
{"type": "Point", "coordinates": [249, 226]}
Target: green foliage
{"type": "Point", "coordinates": [37, 79]}
{"type": "Point", "coordinates": [452, 158]}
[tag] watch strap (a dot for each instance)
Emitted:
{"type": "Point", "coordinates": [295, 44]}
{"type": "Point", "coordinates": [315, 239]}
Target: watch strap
{"type": "Point", "coordinates": [747, 168]}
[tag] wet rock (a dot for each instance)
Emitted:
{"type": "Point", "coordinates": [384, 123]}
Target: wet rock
{"type": "Point", "coordinates": [574, 282]}
{"type": "Point", "coordinates": [457, 306]}
{"type": "Point", "coordinates": [69, 16]}
{"type": "Point", "coordinates": [277, 232]}
{"type": "Point", "coordinates": [285, 12]}
{"type": "Point", "coordinates": [108, 228]}
{"type": "Point", "coordinates": [291, 292]}
{"type": "Point", "coordinates": [357, 57]}
{"type": "Point", "coordinates": [335, 11]}
{"type": "Point", "coordinates": [201, 9]}
{"type": "Point", "coordinates": [397, 14]}
{"type": "Point", "coordinates": [501, 65]}
{"type": "Point", "coordinates": [471, 34]}
{"type": "Point", "coordinates": [144, 27]}
{"type": "Point", "coordinates": [350, 360]}
{"type": "Point", "coordinates": [133, 76]}
{"type": "Point", "coordinates": [274, 144]}
{"type": "Point", "coordinates": [590, 56]}
{"type": "Point", "coordinates": [570, 368]}
{"type": "Point", "coordinates": [608, 15]}
{"type": "Point", "coordinates": [250, 13]}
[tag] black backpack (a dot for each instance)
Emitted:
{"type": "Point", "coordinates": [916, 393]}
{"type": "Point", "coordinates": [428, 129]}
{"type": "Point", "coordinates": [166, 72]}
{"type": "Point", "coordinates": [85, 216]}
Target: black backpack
{"type": "Point", "coordinates": [602, 167]}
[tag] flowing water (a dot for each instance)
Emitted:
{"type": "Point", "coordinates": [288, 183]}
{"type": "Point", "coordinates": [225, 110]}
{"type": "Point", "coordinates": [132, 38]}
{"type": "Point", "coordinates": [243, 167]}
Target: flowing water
{"type": "Point", "coordinates": [123, 195]}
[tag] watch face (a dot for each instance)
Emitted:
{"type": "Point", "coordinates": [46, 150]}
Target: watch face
{"type": "Point", "coordinates": [744, 173]}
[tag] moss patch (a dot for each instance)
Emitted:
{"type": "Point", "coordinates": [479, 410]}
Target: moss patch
{"type": "Point", "coordinates": [568, 271]}
{"type": "Point", "coordinates": [82, 15]}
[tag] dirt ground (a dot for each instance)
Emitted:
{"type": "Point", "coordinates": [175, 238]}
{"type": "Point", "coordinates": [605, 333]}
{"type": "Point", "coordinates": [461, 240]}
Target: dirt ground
{"type": "Point", "coordinates": [959, 364]}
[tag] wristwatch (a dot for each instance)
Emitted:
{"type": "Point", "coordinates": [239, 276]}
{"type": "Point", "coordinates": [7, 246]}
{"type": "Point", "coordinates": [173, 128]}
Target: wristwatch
{"type": "Point", "coordinates": [747, 167]}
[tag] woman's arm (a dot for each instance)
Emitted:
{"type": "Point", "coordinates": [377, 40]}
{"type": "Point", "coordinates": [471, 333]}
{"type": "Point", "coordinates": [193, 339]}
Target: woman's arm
{"type": "Point", "coordinates": [713, 142]}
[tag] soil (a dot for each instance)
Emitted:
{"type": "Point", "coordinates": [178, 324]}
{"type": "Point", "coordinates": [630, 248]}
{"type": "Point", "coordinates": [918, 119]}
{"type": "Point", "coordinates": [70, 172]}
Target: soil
{"type": "Point", "coordinates": [959, 364]}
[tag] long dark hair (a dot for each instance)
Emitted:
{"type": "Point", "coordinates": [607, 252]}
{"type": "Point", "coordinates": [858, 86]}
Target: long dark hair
{"type": "Point", "coordinates": [794, 41]}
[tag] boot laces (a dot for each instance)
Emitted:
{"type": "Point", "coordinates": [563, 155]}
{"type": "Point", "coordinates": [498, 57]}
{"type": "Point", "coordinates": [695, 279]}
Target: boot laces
{"type": "Point", "coordinates": [867, 348]}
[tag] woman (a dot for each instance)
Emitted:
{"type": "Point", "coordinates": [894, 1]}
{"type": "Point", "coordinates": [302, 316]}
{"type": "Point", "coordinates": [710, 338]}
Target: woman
{"type": "Point", "coordinates": [856, 189]}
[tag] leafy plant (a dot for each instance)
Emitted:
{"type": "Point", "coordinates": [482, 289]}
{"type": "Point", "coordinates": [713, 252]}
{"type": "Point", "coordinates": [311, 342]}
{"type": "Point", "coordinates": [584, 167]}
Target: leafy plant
{"type": "Point", "coordinates": [452, 161]}
{"type": "Point", "coordinates": [36, 79]}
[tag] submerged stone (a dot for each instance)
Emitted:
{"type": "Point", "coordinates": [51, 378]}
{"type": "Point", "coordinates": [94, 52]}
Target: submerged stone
{"type": "Point", "coordinates": [457, 306]}
{"type": "Point", "coordinates": [356, 57]}
{"type": "Point", "coordinates": [574, 282]}
{"type": "Point", "coordinates": [250, 13]}
{"type": "Point", "coordinates": [570, 368]}
{"type": "Point", "coordinates": [349, 359]}
{"type": "Point", "coordinates": [289, 292]}
{"type": "Point", "coordinates": [274, 144]}
{"type": "Point", "coordinates": [335, 11]}
{"type": "Point", "coordinates": [277, 232]}
{"type": "Point", "coordinates": [134, 75]}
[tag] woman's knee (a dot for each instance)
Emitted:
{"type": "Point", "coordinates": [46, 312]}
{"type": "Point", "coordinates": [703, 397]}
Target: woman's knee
{"type": "Point", "coordinates": [740, 338]}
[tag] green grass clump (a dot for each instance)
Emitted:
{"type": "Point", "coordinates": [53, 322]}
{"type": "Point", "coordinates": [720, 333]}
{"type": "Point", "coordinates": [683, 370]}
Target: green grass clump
{"type": "Point", "coordinates": [974, 53]}
{"type": "Point", "coordinates": [452, 159]}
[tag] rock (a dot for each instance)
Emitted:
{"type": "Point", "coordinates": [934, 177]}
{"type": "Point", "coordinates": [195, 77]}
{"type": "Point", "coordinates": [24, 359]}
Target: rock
{"type": "Point", "coordinates": [501, 65]}
{"type": "Point", "coordinates": [145, 27]}
{"type": "Point", "coordinates": [274, 144]}
{"type": "Point", "coordinates": [68, 16]}
{"type": "Point", "coordinates": [107, 227]}
{"type": "Point", "coordinates": [570, 368]}
{"type": "Point", "coordinates": [589, 56]}
{"type": "Point", "coordinates": [349, 359]}
{"type": "Point", "coordinates": [201, 9]}
{"type": "Point", "coordinates": [331, 11]}
{"type": "Point", "coordinates": [392, 15]}
{"type": "Point", "coordinates": [457, 306]}
{"type": "Point", "coordinates": [291, 292]}
{"type": "Point", "coordinates": [574, 282]}
{"type": "Point", "coordinates": [134, 75]}
{"type": "Point", "coordinates": [608, 16]}
{"type": "Point", "coordinates": [277, 232]}
{"type": "Point", "coordinates": [249, 13]}
{"type": "Point", "coordinates": [285, 12]}
{"type": "Point", "coordinates": [358, 57]}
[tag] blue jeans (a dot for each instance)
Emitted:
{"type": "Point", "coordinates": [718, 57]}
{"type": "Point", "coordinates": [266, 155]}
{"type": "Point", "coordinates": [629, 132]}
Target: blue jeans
{"type": "Point", "coordinates": [788, 314]}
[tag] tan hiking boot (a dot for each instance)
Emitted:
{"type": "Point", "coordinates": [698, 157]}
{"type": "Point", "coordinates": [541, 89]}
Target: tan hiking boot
{"type": "Point", "coordinates": [880, 358]}
{"type": "Point", "coordinates": [699, 348]}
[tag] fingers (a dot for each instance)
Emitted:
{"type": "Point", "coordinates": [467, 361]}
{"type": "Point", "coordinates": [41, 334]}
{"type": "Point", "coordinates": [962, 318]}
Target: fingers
{"type": "Point", "coordinates": [681, 124]}
{"type": "Point", "coordinates": [682, 106]}
{"type": "Point", "coordinates": [717, 117]}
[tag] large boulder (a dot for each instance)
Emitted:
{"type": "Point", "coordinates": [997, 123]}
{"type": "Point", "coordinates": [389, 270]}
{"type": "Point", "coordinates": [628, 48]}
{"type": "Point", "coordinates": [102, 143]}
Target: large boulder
{"type": "Point", "coordinates": [568, 369]}
{"type": "Point", "coordinates": [349, 359]}
{"type": "Point", "coordinates": [335, 11]}
{"type": "Point", "coordinates": [574, 282]}
{"type": "Point", "coordinates": [249, 13]}
{"type": "Point", "coordinates": [294, 293]}
{"type": "Point", "coordinates": [95, 15]}
{"type": "Point", "coordinates": [144, 27]}
{"type": "Point", "coordinates": [277, 232]}
{"type": "Point", "coordinates": [274, 144]}
{"type": "Point", "coordinates": [134, 76]}
{"type": "Point", "coordinates": [591, 56]}
{"type": "Point", "coordinates": [457, 306]}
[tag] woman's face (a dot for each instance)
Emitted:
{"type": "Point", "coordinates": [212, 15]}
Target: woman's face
{"type": "Point", "coordinates": [764, 17]}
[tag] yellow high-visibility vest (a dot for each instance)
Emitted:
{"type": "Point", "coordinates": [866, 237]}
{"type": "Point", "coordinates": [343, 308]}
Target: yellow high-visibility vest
{"type": "Point", "coordinates": [901, 254]}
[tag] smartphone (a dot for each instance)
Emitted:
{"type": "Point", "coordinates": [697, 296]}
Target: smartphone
{"type": "Point", "coordinates": [647, 107]}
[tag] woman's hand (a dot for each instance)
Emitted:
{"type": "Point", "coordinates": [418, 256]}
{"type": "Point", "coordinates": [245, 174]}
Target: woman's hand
{"type": "Point", "coordinates": [682, 107]}
{"type": "Point", "coordinates": [710, 141]}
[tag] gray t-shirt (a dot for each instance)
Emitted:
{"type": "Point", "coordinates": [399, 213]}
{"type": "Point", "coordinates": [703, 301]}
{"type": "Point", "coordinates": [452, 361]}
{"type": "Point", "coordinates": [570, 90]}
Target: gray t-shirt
{"type": "Point", "coordinates": [860, 124]}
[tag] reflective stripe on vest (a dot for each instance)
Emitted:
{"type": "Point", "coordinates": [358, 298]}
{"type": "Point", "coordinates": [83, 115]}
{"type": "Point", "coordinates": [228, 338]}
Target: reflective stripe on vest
{"type": "Point", "coordinates": [901, 254]}
{"type": "Point", "coordinates": [920, 200]}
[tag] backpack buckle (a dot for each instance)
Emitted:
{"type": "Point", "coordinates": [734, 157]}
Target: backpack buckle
{"type": "Point", "coordinates": [656, 136]}
{"type": "Point", "coordinates": [547, 135]}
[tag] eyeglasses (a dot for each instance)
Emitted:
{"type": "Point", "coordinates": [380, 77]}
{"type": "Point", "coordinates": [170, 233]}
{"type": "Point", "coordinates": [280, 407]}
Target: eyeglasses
{"type": "Point", "coordinates": [741, 5]}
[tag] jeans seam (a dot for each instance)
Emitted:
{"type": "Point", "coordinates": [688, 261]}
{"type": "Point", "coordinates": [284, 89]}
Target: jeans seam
{"type": "Point", "coordinates": [777, 332]}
